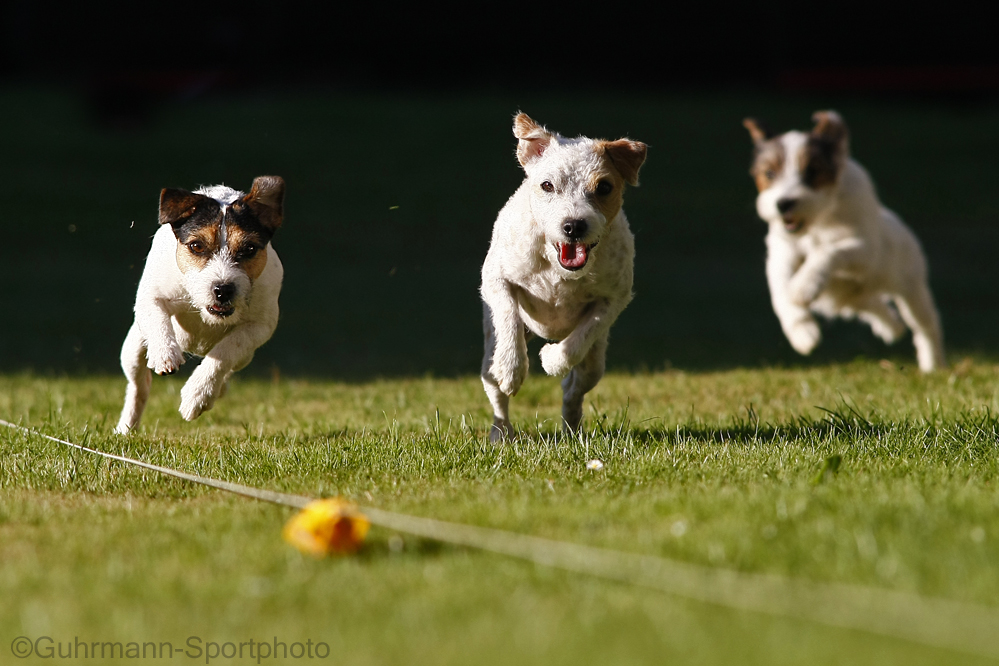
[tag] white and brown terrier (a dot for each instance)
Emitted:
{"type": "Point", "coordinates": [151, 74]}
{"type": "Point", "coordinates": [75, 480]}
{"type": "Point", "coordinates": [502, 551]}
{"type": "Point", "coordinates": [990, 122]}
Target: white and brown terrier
{"type": "Point", "coordinates": [832, 248]}
{"type": "Point", "coordinates": [559, 266]}
{"type": "Point", "coordinates": [210, 288]}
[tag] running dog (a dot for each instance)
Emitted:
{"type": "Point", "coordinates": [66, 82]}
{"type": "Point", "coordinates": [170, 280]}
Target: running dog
{"type": "Point", "coordinates": [832, 248]}
{"type": "Point", "coordinates": [210, 288]}
{"type": "Point", "coordinates": [559, 266]}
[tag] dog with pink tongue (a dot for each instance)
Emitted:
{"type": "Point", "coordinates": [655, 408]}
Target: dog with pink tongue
{"type": "Point", "coordinates": [559, 266]}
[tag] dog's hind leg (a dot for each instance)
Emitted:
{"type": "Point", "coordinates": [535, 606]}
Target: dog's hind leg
{"type": "Point", "coordinates": [882, 318]}
{"type": "Point", "coordinates": [920, 314]}
{"type": "Point", "coordinates": [500, 401]}
{"type": "Point", "coordinates": [133, 363]}
{"type": "Point", "coordinates": [581, 380]}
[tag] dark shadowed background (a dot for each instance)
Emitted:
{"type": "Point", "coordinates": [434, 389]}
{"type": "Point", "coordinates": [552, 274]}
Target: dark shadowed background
{"type": "Point", "coordinates": [392, 130]}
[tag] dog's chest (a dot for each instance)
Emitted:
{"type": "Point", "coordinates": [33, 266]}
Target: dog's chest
{"type": "Point", "coordinates": [195, 336]}
{"type": "Point", "coordinates": [831, 240]}
{"type": "Point", "coordinates": [553, 309]}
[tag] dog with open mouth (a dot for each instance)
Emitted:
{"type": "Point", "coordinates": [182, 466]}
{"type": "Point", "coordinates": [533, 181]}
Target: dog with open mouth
{"type": "Point", "coordinates": [559, 266]}
{"type": "Point", "coordinates": [832, 248]}
{"type": "Point", "coordinates": [209, 288]}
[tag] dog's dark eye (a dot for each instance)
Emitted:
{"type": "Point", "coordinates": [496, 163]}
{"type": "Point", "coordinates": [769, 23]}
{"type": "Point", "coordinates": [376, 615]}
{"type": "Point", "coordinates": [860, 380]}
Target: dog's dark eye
{"type": "Point", "coordinates": [604, 188]}
{"type": "Point", "coordinates": [247, 252]}
{"type": "Point", "coordinates": [547, 186]}
{"type": "Point", "coordinates": [196, 247]}
{"type": "Point", "coordinates": [769, 174]}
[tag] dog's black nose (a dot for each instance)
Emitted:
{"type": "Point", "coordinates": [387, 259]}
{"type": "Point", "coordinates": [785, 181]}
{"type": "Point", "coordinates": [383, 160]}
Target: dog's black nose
{"type": "Point", "coordinates": [574, 229]}
{"type": "Point", "coordinates": [785, 205]}
{"type": "Point", "coordinates": [224, 292]}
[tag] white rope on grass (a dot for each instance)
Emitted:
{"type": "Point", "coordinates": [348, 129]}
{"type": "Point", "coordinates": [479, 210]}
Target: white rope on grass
{"type": "Point", "coordinates": [942, 623]}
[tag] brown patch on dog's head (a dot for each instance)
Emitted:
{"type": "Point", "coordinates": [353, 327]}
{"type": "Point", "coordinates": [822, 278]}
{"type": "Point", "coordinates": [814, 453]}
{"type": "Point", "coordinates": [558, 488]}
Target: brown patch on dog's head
{"type": "Point", "coordinates": [195, 219]}
{"type": "Point", "coordinates": [829, 126]}
{"type": "Point", "coordinates": [180, 207]}
{"type": "Point", "coordinates": [627, 156]}
{"type": "Point", "coordinates": [251, 222]}
{"type": "Point", "coordinates": [244, 228]}
{"type": "Point", "coordinates": [826, 151]}
{"type": "Point", "coordinates": [533, 138]}
{"type": "Point", "coordinates": [768, 162]}
{"type": "Point", "coordinates": [196, 245]}
{"type": "Point", "coordinates": [606, 188]}
{"type": "Point", "coordinates": [620, 164]}
{"type": "Point", "coordinates": [266, 201]}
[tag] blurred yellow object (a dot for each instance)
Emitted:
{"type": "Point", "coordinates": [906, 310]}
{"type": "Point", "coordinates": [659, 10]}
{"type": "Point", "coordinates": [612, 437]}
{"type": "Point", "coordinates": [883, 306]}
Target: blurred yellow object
{"type": "Point", "coordinates": [327, 526]}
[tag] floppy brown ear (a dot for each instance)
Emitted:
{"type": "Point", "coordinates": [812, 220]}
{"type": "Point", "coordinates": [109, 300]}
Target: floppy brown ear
{"type": "Point", "coordinates": [757, 130]}
{"type": "Point", "coordinates": [829, 126]}
{"type": "Point", "coordinates": [266, 200]}
{"type": "Point", "coordinates": [628, 157]}
{"type": "Point", "coordinates": [177, 205]}
{"type": "Point", "coordinates": [533, 138]}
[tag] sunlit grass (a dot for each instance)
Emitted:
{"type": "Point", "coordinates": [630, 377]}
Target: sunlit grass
{"type": "Point", "coordinates": [722, 469]}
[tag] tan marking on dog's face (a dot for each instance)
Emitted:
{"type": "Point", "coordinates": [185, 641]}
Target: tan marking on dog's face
{"type": "Point", "coordinates": [768, 163]}
{"type": "Point", "coordinates": [248, 249]}
{"type": "Point", "coordinates": [197, 247]}
{"type": "Point", "coordinates": [620, 161]}
{"type": "Point", "coordinates": [607, 201]}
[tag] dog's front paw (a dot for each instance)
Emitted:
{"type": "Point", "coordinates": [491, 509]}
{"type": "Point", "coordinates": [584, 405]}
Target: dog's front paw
{"type": "Point", "coordinates": [509, 375]}
{"type": "Point", "coordinates": [804, 289]}
{"type": "Point", "coordinates": [510, 379]}
{"type": "Point", "coordinates": [197, 397]}
{"type": "Point", "coordinates": [164, 359]}
{"type": "Point", "coordinates": [804, 336]}
{"type": "Point", "coordinates": [555, 361]}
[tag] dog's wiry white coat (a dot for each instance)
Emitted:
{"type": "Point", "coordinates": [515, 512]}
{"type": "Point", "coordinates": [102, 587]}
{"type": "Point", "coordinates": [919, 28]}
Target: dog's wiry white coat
{"type": "Point", "coordinates": [222, 193]}
{"type": "Point", "coordinates": [171, 319]}
{"type": "Point", "coordinates": [851, 257]}
{"type": "Point", "coordinates": [525, 290]}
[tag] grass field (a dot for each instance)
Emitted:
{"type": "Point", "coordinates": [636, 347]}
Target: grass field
{"type": "Point", "coordinates": [718, 468]}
